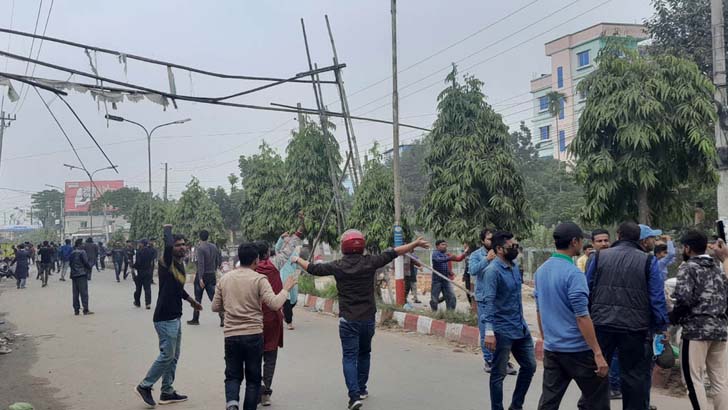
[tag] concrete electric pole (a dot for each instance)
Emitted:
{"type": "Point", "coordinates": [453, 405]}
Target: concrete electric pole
{"type": "Point", "coordinates": [398, 234]}
{"type": "Point", "coordinates": [4, 123]}
{"type": "Point", "coordinates": [719, 78]}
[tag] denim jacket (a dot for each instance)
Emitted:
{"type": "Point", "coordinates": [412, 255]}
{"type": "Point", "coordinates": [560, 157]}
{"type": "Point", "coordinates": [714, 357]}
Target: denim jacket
{"type": "Point", "coordinates": [478, 263]}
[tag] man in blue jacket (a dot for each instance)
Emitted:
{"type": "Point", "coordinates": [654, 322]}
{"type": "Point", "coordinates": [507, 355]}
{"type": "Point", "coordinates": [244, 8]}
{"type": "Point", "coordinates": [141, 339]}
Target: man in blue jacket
{"type": "Point", "coordinates": [506, 330]}
{"type": "Point", "coordinates": [65, 255]}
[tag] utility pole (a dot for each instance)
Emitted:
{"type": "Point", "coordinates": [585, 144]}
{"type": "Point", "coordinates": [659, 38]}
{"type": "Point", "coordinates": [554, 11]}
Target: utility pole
{"type": "Point", "coordinates": [166, 172]}
{"type": "Point", "coordinates": [719, 78]}
{"type": "Point", "coordinates": [4, 123]}
{"type": "Point", "coordinates": [398, 234]}
{"type": "Point", "coordinates": [300, 118]}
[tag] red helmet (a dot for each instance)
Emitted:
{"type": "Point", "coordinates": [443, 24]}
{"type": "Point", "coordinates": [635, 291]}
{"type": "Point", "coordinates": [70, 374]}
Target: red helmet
{"type": "Point", "coordinates": [352, 241]}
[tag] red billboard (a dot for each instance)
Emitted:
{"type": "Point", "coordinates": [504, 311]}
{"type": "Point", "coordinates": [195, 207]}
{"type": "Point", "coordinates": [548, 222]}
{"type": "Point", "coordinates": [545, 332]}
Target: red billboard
{"type": "Point", "coordinates": [79, 194]}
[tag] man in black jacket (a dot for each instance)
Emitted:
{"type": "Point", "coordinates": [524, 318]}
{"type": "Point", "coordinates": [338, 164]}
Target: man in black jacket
{"type": "Point", "coordinates": [92, 253]}
{"type": "Point", "coordinates": [129, 258]}
{"type": "Point", "coordinates": [172, 278]}
{"type": "Point", "coordinates": [46, 261]}
{"type": "Point", "coordinates": [354, 274]}
{"type": "Point", "coordinates": [80, 268]}
{"type": "Point", "coordinates": [117, 255]}
{"type": "Point", "coordinates": [143, 278]}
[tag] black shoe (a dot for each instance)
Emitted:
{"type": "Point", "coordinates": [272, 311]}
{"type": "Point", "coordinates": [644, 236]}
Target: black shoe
{"type": "Point", "coordinates": [76, 313]}
{"type": "Point", "coordinates": [355, 404]}
{"type": "Point", "coordinates": [44, 285]}
{"type": "Point", "coordinates": [169, 398]}
{"type": "Point", "coordinates": [363, 395]}
{"type": "Point", "coordinates": [146, 395]}
{"type": "Point", "coordinates": [149, 307]}
{"type": "Point", "coordinates": [615, 395]}
{"type": "Point", "coordinates": [487, 367]}
{"type": "Point", "coordinates": [87, 312]}
{"type": "Point", "coordinates": [193, 322]}
{"type": "Point", "coordinates": [137, 304]}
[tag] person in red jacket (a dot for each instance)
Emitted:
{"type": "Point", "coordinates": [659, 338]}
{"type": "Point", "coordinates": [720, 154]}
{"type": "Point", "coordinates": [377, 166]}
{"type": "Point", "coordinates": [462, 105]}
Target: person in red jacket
{"type": "Point", "coordinates": [270, 265]}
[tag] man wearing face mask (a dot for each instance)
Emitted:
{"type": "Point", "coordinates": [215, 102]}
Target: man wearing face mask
{"type": "Point", "coordinates": [506, 330]}
{"type": "Point", "coordinates": [478, 263]}
{"type": "Point", "coordinates": [627, 301]}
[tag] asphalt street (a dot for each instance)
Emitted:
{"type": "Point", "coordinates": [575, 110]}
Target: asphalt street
{"type": "Point", "coordinates": [94, 362]}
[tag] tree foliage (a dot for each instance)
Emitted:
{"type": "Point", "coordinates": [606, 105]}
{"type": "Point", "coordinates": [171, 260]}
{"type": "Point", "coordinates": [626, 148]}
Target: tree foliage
{"type": "Point", "coordinates": [373, 210]}
{"type": "Point", "coordinates": [195, 212]}
{"type": "Point", "coordinates": [682, 28]}
{"type": "Point", "coordinates": [229, 209]}
{"type": "Point", "coordinates": [146, 226]}
{"type": "Point", "coordinates": [123, 200]}
{"type": "Point", "coordinates": [551, 190]}
{"type": "Point", "coordinates": [263, 200]}
{"type": "Point", "coordinates": [474, 178]}
{"type": "Point", "coordinates": [47, 206]}
{"type": "Point", "coordinates": [309, 187]}
{"type": "Point", "coordinates": [644, 136]}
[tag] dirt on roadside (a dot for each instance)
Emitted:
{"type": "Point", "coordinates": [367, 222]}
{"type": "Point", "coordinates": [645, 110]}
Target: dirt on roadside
{"type": "Point", "coordinates": [16, 383]}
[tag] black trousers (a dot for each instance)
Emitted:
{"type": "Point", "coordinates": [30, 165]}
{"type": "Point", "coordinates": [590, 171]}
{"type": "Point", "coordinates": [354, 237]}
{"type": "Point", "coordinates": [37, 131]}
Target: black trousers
{"type": "Point", "coordinates": [210, 283]}
{"type": "Point", "coordinates": [80, 291]}
{"type": "Point", "coordinates": [127, 265]}
{"type": "Point", "coordinates": [288, 312]}
{"type": "Point", "coordinates": [102, 261]}
{"type": "Point", "coordinates": [243, 359]}
{"type": "Point", "coordinates": [468, 286]}
{"type": "Point", "coordinates": [559, 369]}
{"type": "Point", "coordinates": [635, 356]}
{"type": "Point", "coordinates": [45, 270]}
{"type": "Point", "coordinates": [117, 267]}
{"type": "Point", "coordinates": [269, 368]}
{"type": "Point", "coordinates": [145, 282]}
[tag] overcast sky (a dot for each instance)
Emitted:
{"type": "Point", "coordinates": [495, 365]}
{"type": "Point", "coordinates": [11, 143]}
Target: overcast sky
{"type": "Point", "coordinates": [264, 38]}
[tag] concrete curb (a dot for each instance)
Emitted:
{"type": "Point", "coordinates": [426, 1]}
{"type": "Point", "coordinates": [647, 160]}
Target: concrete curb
{"type": "Point", "coordinates": [464, 334]}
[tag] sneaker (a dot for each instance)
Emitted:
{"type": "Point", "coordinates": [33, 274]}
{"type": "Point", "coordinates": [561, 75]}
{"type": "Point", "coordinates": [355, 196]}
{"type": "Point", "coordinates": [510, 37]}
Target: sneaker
{"type": "Point", "coordinates": [88, 312]}
{"type": "Point", "coordinates": [487, 367]}
{"type": "Point", "coordinates": [193, 322]}
{"type": "Point", "coordinates": [510, 370]}
{"type": "Point", "coordinates": [233, 407]}
{"type": "Point", "coordinates": [169, 398]}
{"type": "Point", "coordinates": [363, 395]}
{"type": "Point", "coordinates": [265, 400]}
{"type": "Point", "coordinates": [146, 395]}
{"type": "Point", "coordinates": [291, 327]}
{"type": "Point", "coordinates": [76, 313]}
{"type": "Point", "coordinates": [149, 307]}
{"type": "Point", "coordinates": [44, 285]}
{"type": "Point", "coordinates": [355, 404]}
{"type": "Point", "coordinates": [615, 395]}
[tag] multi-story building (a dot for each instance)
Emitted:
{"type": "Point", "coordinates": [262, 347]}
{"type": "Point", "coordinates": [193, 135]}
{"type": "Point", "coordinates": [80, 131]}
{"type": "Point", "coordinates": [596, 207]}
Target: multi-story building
{"type": "Point", "coordinates": [572, 58]}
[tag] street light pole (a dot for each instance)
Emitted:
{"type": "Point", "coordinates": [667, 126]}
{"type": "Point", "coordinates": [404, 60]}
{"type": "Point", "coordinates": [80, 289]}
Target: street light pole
{"type": "Point", "coordinates": [149, 146]}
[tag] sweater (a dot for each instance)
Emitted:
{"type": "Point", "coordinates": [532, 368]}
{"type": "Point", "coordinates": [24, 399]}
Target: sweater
{"type": "Point", "coordinates": [239, 294]}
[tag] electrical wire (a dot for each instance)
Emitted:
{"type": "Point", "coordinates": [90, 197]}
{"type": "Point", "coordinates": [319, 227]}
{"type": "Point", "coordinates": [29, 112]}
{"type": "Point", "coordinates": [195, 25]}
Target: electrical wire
{"type": "Point", "coordinates": [75, 152]}
{"type": "Point", "coordinates": [40, 46]}
{"type": "Point", "coordinates": [10, 40]}
{"type": "Point", "coordinates": [32, 45]}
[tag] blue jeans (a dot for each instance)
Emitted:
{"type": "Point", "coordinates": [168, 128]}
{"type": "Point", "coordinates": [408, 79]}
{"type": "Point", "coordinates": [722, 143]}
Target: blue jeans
{"type": "Point", "coordinates": [615, 379]}
{"type": "Point", "coordinates": [170, 340]}
{"type": "Point", "coordinates": [487, 354]}
{"type": "Point", "coordinates": [442, 286]}
{"type": "Point", "coordinates": [522, 350]}
{"type": "Point", "coordinates": [356, 345]}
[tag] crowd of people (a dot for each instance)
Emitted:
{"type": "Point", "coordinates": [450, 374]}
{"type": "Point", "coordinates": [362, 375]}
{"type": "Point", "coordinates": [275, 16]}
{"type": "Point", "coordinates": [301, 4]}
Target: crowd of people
{"type": "Point", "coordinates": [604, 311]}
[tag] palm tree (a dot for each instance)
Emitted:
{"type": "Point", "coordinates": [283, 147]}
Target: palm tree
{"type": "Point", "coordinates": [556, 101]}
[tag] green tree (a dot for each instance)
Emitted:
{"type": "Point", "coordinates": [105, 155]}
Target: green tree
{"type": "Point", "coordinates": [556, 102]}
{"type": "Point", "coordinates": [644, 136]}
{"type": "Point", "coordinates": [413, 174]}
{"type": "Point", "coordinates": [373, 210]}
{"type": "Point", "coordinates": [682, 28]}
{"type": "Point", "coordinates": [47, 207]}
{"type": "Point", "coordinates": [144, 225]}
{"type": "Point", "coordinates": [228, 209]}
{"type": "Point", "coordinates": [195, 211]}
{"type": "Point", "coordinates": [474, 178]}
{"type": "Point", "coordinates": [309, 187]}
{"type": "Point", "coordinates": [551, 189]}
{"type": "Point", "coordinates": [123, 200]}
{"type": "Point", "coordinates": [263, 195]}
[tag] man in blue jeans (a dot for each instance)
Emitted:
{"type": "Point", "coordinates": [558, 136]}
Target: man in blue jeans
{"type": "Point", "coordinates": [441, 262]}
{"type": "Point", "coordinates": [506, 330]}
{"type": "Point", "coordinates": [478, 263]}
{"type": "Point", "coordinates": [354, 274]}
{"type": "Point", "coordinates": [167, 323]}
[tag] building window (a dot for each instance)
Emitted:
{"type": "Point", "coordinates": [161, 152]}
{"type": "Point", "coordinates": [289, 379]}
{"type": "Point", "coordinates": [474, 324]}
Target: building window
{"type": "Point", "coordinates": [84, 224]}
{"type": "Point", "coordinates": [560, 77]}
{"type": "Point", "coordinates": [583, 58]}
{"type": "Point", "coordinates": [561, 109]}
{"type": "Point", "coordinates": [545, 131]}
{"type": "Point", "coordinates": [543, 103]}
{"type": "Point", "coordinates": [562, 141]}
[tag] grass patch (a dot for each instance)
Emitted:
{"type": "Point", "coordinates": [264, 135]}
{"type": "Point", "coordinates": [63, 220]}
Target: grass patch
{"type": "Point", "coordinates": [307, 285]}
{"type": "Point", "coordinates": [444, 315]}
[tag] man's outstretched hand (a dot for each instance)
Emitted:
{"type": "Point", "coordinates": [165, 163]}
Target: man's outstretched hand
{"type": "Point", "coordinates": [195, 305]}
{"type": "Point", "coordinates": [421, 243]}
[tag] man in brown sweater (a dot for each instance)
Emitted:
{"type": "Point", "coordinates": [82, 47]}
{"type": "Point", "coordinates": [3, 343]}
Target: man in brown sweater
{"type": "Point", "coordinates": [239, 295]}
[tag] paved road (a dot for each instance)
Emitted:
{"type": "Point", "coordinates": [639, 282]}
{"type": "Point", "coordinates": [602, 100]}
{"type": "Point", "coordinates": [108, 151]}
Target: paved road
{"type": "Point", "coordinates": [94, 362]}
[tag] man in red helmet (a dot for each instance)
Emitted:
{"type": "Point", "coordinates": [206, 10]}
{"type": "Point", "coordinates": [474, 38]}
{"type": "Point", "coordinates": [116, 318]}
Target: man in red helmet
{"type": "Point", "coordinates": [354, 274]}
